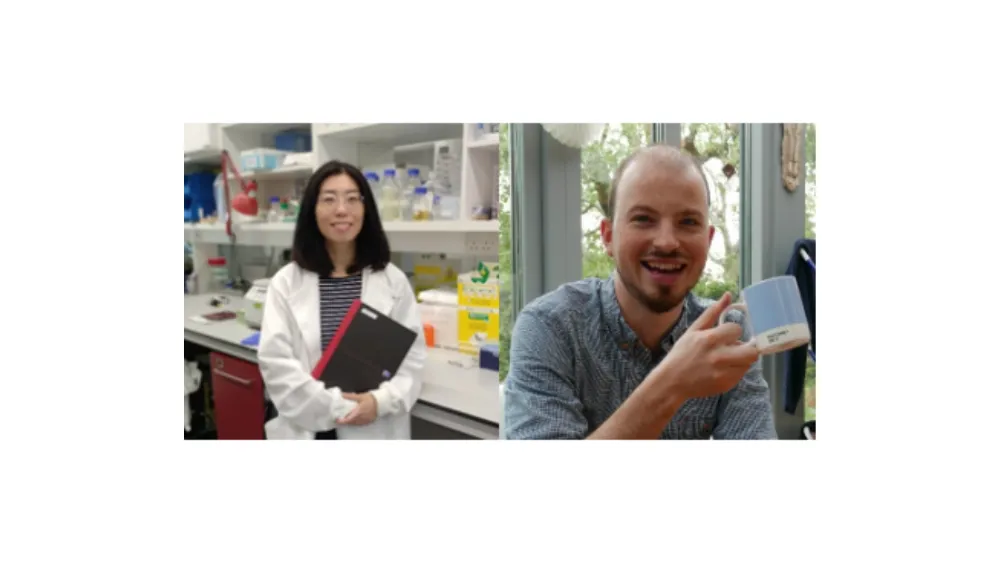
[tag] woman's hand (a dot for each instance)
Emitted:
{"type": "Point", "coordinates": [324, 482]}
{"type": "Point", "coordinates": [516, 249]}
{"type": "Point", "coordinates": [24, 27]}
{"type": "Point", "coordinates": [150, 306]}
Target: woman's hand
{"type": "Point", "coordinates": [364, 413]}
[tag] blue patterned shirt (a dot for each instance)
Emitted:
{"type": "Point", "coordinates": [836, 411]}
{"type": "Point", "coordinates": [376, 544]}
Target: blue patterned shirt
{"type": "Point", "coordinates": [574, 361]}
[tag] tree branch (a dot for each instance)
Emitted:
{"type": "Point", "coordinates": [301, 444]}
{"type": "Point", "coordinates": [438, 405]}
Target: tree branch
{"type": "Point", "coordinates": [602, 189]}
{"type": "Point", "coordinates": [713, 150]}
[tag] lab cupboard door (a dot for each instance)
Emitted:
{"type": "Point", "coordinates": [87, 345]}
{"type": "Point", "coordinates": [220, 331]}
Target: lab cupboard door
{"type": "Point", "coordinates": [238, 391]}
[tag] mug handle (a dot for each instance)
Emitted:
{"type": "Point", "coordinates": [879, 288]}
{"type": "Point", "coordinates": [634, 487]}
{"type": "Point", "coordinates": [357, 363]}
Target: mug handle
{"type": "Point", "coordinates": [741, 306]}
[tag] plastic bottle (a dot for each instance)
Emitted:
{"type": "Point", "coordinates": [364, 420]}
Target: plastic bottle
{"type": "Point", "coordinates": [220, 199]}
{"type": "Point", "coordinates": [220, 273]}
{"type": "Point", "coordinates": [436, 206]}
{"type": "Point", "coordinates": [423, 204]}
{"type": "Point", "coordinates": [431, 183]}
{"type": "Point", "coordinates": [274, 213]}
{"type": "Point", "coordinates": [390, 193]}
{"type": "Point", "coordinates": [373, 183]}
{"type": "Point", "coordinates": [412, 182]}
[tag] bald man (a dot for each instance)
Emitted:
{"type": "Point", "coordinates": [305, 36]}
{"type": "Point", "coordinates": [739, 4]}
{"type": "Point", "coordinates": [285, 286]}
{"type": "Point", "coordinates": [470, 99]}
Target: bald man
{"type": "Point", "coordinates": [637, 356]}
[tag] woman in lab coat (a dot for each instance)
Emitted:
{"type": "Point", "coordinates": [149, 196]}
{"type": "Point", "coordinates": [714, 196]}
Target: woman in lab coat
{"type": "Point", "coordinates": [340, 253]}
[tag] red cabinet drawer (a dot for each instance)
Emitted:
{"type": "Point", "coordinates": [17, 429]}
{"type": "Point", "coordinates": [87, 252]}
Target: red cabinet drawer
{"type": "Point", "coordinates": [238, 393]}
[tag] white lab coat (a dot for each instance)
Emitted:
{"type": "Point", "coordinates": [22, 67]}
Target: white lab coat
{"type": "Point", "coordinates": [290, 348]}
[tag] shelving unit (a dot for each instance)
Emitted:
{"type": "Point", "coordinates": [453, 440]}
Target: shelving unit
{"type": "Point", "coordinates": [370, 146]}
{"type": "Point", "coordinates": [471, 238]}
{"type": "Point", "coordinates": [298, 171]}
{"type": "Point", "coordinates": [386, 134]}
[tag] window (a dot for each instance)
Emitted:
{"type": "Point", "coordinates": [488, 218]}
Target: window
{"type": "Point", "coordinates": [809, 386]}
{"type": "Point", "coordinates": [598, 161]}
{"type": "Point", "coordinates": [717, 147]}
{"type": "Point", "coordinates": [506, 257]}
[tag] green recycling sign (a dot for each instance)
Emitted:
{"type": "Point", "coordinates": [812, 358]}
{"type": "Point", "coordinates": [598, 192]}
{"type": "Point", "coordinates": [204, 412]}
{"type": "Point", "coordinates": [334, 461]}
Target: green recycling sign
{"type": "Point", "coordinates": [485, 272]}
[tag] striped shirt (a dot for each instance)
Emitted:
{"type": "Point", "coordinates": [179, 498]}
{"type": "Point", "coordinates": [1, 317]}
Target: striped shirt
{"type": "Point", "coordinates": [336, 295]}
{"type": "Point", "coordinates": [574, 361]}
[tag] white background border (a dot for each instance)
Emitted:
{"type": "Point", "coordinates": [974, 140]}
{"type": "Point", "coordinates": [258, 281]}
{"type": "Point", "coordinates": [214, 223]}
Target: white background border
{"type": "Point", "coordinates": [94, 463]}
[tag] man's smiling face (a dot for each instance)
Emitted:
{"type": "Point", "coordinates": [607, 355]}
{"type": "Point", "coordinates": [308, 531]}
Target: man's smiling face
{"type": "Point", "coordinates": [660, 235]}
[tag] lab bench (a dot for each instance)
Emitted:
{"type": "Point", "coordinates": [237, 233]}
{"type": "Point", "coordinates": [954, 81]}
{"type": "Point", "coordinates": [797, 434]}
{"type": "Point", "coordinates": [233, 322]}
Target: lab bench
{"type": "Point", "coordinates": [462, 400]}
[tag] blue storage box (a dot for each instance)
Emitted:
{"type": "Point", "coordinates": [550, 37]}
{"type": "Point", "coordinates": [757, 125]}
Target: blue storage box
{"type": "Point", "coordinates": [199, 196]}
{"type": "Point", "coordinates": [489, 357]}
{"type": "Point", "coordinates": [293, 141]}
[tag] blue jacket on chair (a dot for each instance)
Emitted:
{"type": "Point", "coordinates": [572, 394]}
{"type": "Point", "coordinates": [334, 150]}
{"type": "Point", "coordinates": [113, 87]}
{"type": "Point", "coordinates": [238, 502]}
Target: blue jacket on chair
{"type": "Point", "coordinates": [795, 360]}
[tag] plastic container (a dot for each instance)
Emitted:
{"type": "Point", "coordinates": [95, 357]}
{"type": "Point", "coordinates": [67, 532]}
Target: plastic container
{"type": "Point", "coordinates": [423, 204]}
{"type": "Point", "coordinates": [220, 199]}
{"type": "Point", "coordinates": [444, 319]}
{"type": "Point", "coordinates": [262, 159]}
{"type": "Point", "coordinates": [293, 141]}
{"type": "Point", "coordinates": [389, 196]}
{"type": "Point", "coordinates": [274, 213]}
{"type": "Point", "coordinates": [447, 208]}
{"type": "Point", "coordinates": [253, 303]}
{"type": "Point", "coordinates": [431, 184]}
{"type": "Point", "coordinates": [489, 357]}
{"type": "Point", "coordinates": [376, 186]}
{"type": "Point", "coordinates": [409, 188]}
{"type": "Point", "coordinates": [447, 167]}
{"type": "Point", "coordinates": [220, 272]}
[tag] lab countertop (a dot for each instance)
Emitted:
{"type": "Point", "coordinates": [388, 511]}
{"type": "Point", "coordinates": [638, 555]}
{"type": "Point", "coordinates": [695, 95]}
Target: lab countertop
{"type": "Point", "coordinates": [472, 392]}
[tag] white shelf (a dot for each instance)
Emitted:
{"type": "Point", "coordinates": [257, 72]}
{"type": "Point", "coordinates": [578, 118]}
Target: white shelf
{"type": "Point", "coordinates": [394, 134]}
{"type": "Point", "coordinates": [263, 128]}
{"type": "Point", "coordinates": [285, 172]}
{"type": "Point", "coordinates": [441, 226]}
{"type": "Point", "coordinates": [205, 234]}
{"type": "Point", "coordinates": [490, 141]}
{"type": "Point", "coordinates": [414, 147]}
{"type": "Point", "coordinates": [449, 237]}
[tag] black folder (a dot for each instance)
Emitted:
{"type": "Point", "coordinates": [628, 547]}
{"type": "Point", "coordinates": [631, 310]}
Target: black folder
{"type": "Point", "coordinates": [367, 349]}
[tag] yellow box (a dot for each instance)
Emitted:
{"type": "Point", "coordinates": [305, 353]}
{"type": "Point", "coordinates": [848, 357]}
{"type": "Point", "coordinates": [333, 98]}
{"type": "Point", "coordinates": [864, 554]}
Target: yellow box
{"type": "Point", "coordinates": [477, 327]}
{"type": "Point", "coordinates": [481, 288]}
{"type": "Point", "coordinates": [478, 295]}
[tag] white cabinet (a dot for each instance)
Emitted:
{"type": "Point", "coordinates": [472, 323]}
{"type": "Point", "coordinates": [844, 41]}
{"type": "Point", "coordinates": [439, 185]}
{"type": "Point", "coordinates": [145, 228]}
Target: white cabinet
{"type": "Point", "coordinates": [199, 137]}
